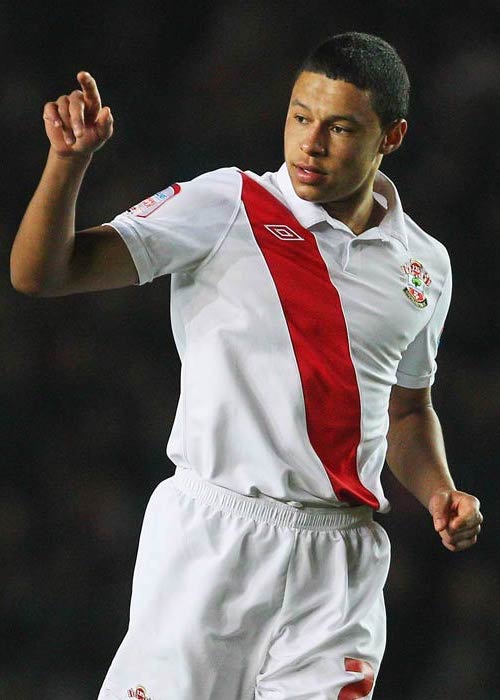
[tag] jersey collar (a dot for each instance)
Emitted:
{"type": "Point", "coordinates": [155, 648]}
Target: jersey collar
{"type": "Point", "coordinates": [308, 213]}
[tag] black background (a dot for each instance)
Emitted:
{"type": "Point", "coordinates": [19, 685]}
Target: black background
{"type": "Point", "coordinates": [90, 382]}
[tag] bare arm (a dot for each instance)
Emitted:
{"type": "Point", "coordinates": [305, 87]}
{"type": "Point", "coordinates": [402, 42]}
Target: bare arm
{"type": "Point", "coordinates": [416, 456]}
{"type": "Point", "coordinates": [48, 258]}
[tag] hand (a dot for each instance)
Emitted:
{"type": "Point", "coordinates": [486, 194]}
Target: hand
{"type": "Point", "coordinates": [456, 517]}
{"type": "Point", "coordinates": [77, 124]}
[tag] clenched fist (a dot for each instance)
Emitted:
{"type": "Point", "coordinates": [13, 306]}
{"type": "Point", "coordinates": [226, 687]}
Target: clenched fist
{"type": "Point", "coordinates": [77, 124]}
{"type": "Point", "coordinates": [457, 518]}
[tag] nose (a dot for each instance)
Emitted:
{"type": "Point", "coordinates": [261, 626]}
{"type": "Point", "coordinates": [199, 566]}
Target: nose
{"type": "Point", "coordinates": [313, 143]}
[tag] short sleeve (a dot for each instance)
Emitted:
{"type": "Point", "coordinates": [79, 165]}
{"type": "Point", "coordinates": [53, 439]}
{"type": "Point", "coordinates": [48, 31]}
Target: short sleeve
{"type": "Point", "coordinates": [180, 227]}
{"type": "Point", "coordinates": [417, 367]}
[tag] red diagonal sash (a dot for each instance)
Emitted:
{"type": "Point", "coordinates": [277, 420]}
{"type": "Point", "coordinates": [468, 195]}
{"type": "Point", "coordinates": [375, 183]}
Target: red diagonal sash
{"type": "Point", "coordinates": [318, 332]}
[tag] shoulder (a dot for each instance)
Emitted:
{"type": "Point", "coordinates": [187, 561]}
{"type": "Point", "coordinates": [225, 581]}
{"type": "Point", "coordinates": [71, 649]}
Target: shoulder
{"type": "Point", "coordinates": [428, 249]}
{"type": "Point", "coordinates": [226, 185]}
{"type": "Point", "coordinates": [222, 183]}
{"type": "Point", "coordinates": [421, 247]}
{"type": "Point", "coordinates": [209, 198]}
{"type": "Point", "coordinates": [267, 180]}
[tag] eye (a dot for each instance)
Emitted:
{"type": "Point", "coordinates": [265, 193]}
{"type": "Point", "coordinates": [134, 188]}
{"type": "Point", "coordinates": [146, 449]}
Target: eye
{"type": "Point", "coordinates": [300, 119]}
{"type": "Point", "coordinates": [337, 129]}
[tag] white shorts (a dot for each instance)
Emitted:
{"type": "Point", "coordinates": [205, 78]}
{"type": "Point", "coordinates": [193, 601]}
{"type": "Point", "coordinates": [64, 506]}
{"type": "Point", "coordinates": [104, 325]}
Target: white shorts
{"type": "Point", "coordinates": [241, 598]}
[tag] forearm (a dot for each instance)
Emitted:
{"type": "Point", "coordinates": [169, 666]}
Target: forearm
{"type": "Point", "coordinates": [416, 453]}
{"type": "Point", "coordinates": [44, 243]}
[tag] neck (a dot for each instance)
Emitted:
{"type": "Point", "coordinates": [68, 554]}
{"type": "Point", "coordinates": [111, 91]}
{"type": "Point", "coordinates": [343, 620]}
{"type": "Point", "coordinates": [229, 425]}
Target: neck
{"type": "Point", "coordinates": [359, 215]}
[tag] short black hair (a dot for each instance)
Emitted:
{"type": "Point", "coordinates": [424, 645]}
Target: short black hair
{"type": "Point", "coordinates": [369, 63]}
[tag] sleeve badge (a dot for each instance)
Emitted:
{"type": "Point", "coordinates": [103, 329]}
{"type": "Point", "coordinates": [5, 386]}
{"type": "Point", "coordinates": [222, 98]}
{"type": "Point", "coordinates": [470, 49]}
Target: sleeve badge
{"type": "Point", "coordinates": [151, 204]}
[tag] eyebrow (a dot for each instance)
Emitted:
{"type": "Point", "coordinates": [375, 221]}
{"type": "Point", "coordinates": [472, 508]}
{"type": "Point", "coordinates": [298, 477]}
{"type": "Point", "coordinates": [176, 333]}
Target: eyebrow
{"type": "Point", "coordinates": [332, 117]}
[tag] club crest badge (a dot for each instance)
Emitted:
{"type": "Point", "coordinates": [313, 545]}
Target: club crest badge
{"type": "Point", "coordinates": [417, 282]}
{"type": "Point", "coordinates": [139, 693]}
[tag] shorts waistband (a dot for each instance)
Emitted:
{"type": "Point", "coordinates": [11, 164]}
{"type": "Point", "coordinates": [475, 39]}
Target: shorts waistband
{"type": "Point", "coordinates": [269, 510]}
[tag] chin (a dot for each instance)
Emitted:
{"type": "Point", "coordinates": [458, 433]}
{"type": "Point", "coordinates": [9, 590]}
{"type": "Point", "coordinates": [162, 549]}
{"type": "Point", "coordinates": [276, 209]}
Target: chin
{"type": "Point", "coordinates": [310, 193]}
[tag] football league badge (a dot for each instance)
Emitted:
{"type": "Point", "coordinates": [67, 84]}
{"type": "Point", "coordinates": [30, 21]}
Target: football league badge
{"type": "Point", "coordinates": [151, 204]}
{"type": "Point", "coordinates": [417, 282]}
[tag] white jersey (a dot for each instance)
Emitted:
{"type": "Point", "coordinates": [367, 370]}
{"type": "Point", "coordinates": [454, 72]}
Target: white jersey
{"type": "Point", "coordinates": [291, 331]}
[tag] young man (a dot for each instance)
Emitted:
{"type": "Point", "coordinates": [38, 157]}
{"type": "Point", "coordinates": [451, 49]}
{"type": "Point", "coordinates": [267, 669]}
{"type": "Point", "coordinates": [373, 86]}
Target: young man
{"type": "Point", "coordinates": [307, 309]}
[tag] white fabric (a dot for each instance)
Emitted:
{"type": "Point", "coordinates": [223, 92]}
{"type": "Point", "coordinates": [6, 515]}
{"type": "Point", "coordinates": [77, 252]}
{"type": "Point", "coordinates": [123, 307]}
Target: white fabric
{"type": "Point", "coordinates": [241, 419]}
{"type": "Point", "coordinates": [236, 598]}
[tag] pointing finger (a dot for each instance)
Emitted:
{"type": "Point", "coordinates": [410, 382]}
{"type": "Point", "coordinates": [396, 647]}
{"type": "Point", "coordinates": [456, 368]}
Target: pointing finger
{"type": "Point", "coordinates": [91, 96]}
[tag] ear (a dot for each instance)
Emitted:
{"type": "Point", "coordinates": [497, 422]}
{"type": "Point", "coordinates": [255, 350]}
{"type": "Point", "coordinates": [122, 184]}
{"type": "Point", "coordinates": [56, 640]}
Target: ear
{"type": "Point", "coordinates": [393, 136]}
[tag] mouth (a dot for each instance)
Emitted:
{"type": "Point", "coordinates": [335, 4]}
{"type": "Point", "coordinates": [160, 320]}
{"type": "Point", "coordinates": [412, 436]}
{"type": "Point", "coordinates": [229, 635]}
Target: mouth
{"type": "Point", "coordinates": [309, 174]}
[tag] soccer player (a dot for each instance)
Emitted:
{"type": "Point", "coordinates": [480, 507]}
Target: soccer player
{"type": "Point", "coordinates": [307, 309]}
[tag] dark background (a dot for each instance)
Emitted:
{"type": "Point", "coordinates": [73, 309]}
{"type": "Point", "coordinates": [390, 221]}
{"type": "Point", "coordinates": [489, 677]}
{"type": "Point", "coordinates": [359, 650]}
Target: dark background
{"type": "Point", "coordinates": [90, 383]}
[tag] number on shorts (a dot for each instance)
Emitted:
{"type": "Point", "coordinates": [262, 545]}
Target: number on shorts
{"type": "Point", "coordinates": [357, 689]}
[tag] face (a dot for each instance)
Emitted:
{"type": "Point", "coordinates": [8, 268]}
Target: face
{"type": "Point", "coordinates": [334, 141]}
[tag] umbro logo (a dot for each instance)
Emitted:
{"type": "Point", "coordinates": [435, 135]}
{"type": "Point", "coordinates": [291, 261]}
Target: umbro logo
{"type": "Point", "coordinates": [283, 232]}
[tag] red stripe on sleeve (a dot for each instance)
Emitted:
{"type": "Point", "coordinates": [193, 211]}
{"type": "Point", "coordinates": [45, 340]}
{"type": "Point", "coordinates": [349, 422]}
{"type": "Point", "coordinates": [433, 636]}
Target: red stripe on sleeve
{"type": "Point", "coordinates": [318, 332]}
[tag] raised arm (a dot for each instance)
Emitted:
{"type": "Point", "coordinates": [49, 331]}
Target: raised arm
{"type": "Point", "coordinates": [48, 257]}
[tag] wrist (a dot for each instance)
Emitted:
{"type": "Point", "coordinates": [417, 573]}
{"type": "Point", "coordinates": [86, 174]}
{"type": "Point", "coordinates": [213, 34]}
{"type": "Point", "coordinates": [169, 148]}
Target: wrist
{"type": "Point", "coordinates": [65, 171]}
{"type": "Point", "coordinates": [73, 161]}
{"type": "Point", "coordinates": [444, 488]}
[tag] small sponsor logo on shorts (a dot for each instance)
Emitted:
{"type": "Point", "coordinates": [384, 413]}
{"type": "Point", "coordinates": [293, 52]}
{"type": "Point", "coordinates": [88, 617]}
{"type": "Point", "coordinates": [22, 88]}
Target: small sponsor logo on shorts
{"type": "Point", "coordinates": [151, 204]}
{"type": "Point", "coordinates": [139, 693]}
{"type": "Point", "coordinates": [283, 232]}
{"type": "Point", "coordinates": [417, 282]}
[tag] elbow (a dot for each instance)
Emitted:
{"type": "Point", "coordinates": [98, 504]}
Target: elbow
{"type": "Point", "coordinates": [24, 283]}
{"type": "Point", "coordinates": [31, 289]}
{"type": "Point", "coordinates": [23, 286]}
{"type": "Point", "coordinates": [26, 279]}
{"type": "Point", "coordinates": [26, 289]}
